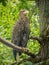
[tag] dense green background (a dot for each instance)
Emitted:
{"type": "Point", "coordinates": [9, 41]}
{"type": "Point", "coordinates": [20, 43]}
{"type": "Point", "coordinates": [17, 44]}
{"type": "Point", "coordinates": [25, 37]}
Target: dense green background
{"type": "Point", "coordinates": [9, 10]}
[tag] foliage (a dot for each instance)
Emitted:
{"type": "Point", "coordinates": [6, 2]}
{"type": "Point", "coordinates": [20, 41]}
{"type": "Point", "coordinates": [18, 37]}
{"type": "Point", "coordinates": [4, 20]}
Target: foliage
{"type": "Point", "coordinates": [8, 16]}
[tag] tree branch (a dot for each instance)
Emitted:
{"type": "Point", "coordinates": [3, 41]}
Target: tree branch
{"type": "Point", "coordinates": [33, 60]}
{"type": "Point", "coordinates": [33, 57]}
{"type": "Point", "coordinates": [36, 38]}
{"type": "Point", "coordinates": [22, 49]}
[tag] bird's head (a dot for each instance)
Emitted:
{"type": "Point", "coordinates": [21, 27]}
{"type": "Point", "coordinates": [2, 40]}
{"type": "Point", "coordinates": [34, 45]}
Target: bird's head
{"type": "Point", "coordinates": [23, 14]}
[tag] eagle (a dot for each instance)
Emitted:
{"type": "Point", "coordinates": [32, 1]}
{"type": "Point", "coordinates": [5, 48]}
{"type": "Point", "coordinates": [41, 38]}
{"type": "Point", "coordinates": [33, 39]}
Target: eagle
{"type": "Point", "coordinates": [21, 31]}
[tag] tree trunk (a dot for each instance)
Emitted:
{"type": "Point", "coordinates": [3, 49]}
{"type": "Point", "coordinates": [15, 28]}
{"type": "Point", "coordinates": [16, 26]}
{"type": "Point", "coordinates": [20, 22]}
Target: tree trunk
{"type": "Point", "coordinates": [43, 6]}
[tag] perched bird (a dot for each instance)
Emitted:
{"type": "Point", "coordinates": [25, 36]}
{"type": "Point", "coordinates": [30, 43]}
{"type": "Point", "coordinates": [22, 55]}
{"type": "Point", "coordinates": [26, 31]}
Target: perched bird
{"type": "Point", "coordinates": [21, 31]}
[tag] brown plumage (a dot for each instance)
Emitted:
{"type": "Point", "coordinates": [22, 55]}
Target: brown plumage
{"type": "Point", "coordinates": [21, 32]}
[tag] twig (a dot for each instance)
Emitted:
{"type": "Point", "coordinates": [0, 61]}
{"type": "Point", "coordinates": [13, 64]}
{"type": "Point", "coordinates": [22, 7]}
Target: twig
{"type": "Point", "coordinates": [39, 39]}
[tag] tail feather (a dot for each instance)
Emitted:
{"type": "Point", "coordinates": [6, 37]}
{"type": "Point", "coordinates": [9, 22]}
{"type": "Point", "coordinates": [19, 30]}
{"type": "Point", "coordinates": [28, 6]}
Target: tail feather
{"type": "Point", "coordinates": [16, 54]}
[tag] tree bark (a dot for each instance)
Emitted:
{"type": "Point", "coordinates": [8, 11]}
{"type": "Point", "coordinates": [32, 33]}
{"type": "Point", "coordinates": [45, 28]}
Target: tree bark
{"type": "Point", "coordinates": [43, 6]}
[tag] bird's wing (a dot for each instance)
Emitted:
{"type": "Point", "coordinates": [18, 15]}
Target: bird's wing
{"type": "Point", "coordinates": [16, 34]}
{"type": "Point", "coordinates": [25, 36]}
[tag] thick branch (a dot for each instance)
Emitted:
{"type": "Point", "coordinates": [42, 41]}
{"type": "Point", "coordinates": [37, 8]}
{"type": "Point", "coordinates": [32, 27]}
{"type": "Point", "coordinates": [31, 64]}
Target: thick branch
{"type": "Point", "coordinates": [22, 49]}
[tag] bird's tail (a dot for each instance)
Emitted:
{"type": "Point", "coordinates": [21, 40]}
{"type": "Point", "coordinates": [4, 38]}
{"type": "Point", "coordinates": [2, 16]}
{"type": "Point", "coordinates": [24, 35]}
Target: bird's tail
{"type": "Point", "coordinates": [16, 54]}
